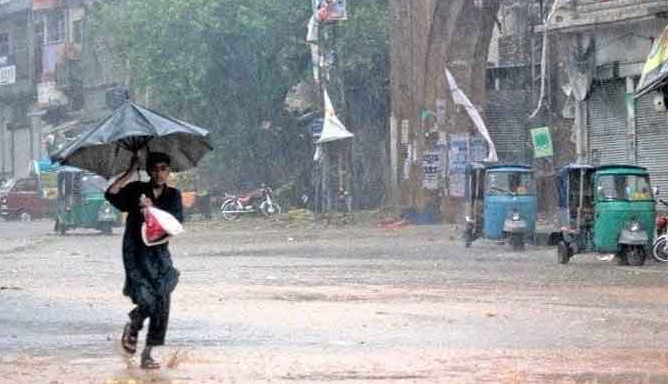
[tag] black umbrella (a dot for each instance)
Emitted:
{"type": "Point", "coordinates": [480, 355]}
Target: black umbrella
{"type": "Point", "coordinates": [108, 148]}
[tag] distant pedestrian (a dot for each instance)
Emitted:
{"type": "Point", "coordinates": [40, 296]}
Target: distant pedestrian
{"type": "Point", "coordinates": [150, 277]}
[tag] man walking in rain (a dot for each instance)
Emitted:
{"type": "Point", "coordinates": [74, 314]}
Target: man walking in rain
{"type": "Point", "coordinates": [150, 277]}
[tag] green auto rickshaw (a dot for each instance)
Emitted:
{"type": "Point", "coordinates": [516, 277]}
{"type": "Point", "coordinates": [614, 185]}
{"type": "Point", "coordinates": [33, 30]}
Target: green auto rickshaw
{"type": "Point", "coordinates": [606, 209]}
{"type": "Point", "coordinates": [81, 203]}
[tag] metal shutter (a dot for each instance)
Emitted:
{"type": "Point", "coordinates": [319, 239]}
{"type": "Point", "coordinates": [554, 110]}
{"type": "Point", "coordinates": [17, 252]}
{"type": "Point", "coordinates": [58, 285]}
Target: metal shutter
{"type": "Point", "coordinates": [652, 139]}
{"type": "Point", "coordinates": [606, 120]}
{"type": "Point", "coordinates": [506, 113]}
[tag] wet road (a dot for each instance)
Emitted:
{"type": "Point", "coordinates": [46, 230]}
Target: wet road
{"type": "Point", "coordinates": [14, 229]}
{"type": "Point", "coordinates": [355, 305]}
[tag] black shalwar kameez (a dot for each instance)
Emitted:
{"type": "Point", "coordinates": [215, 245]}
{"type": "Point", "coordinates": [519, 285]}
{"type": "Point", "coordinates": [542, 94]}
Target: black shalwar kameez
{"type": "Point", "coordinates": [150, 277]}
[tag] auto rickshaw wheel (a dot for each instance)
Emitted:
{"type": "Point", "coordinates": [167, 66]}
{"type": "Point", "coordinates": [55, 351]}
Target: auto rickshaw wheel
{"type": "Point", "coordinates": [635, 255]}
{"type": "Point", "coordinates": [58, 227]}
{"type": "Point", "coordinates": [107, 229]}
{"type": "Point", "coordinates": [25, 216]}
{"type": "Point", "coordinates": [563, 252]}
{"type": "Point", "coordinates": [468, 237]}
{"type": "Point", "coordinates": [517, 242]}
{"type": "Point", "coordinates": [620, 258]}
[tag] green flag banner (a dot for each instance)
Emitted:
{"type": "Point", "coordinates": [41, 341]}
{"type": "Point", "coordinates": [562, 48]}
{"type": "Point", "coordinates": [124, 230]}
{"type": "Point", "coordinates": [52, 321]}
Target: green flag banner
{"type": "Point", "coordinates": [542, 142]}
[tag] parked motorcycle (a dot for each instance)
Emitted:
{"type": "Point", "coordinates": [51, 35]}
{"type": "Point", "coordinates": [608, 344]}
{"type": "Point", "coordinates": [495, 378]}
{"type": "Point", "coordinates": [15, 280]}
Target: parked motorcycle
{"type": "Point", "coordinates": [257, 201]}
{"type": "Point", "coordinates": [660, 246]}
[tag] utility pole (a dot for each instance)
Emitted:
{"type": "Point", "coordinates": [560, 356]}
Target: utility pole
{"type": "Point", "coordinates": [3, 148]}
{"type": "Point", "coordinates": [333, 153]}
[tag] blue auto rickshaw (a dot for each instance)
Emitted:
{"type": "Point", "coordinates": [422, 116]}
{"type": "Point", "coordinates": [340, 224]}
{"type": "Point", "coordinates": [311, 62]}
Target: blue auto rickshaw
{"type": "Point", "coordinates": [501, 203]}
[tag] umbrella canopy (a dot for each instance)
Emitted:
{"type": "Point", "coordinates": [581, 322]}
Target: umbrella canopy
{"type": "Point", "coordinates": [108, 148]}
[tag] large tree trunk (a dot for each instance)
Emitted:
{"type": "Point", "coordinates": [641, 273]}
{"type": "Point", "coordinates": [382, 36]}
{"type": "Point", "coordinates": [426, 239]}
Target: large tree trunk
{"type": "Point", "coordinates": [427, 36]}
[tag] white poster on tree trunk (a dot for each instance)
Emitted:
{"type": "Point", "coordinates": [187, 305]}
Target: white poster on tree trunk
{"type": "Point", "coordinates": [458, 154]}
{"type": "Point", "coordinates": [432, 162]}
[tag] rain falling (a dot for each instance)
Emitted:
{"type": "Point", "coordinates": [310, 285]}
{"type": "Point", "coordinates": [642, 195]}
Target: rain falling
{"type": "Point", "coordinates": [310, 191]}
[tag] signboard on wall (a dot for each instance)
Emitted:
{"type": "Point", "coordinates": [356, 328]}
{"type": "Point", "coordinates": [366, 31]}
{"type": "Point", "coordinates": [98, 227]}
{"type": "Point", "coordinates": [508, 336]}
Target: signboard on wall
{"type": "Point", "coordinates": [8, 75]}
{"type": "Point", "coordinates": [542, 142]}
{"type": "Point", "coordinates": [458, 153]}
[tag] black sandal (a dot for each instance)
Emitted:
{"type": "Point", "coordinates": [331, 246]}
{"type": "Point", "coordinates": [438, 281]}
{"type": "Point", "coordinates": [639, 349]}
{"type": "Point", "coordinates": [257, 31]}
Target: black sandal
{"type": "Point", "coordinates": [147, 362]}
{"type": "Point", "coordinates": [129, 339]}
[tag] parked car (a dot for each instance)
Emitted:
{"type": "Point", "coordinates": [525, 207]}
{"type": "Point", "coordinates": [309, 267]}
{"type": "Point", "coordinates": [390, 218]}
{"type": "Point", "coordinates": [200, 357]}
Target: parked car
{"type": "Point", "coordinates": [26, 199]}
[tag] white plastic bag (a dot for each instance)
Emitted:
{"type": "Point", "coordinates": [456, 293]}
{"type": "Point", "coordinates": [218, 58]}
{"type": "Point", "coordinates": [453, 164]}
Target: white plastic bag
{"type": "Point", "coordinates": [159, 226]}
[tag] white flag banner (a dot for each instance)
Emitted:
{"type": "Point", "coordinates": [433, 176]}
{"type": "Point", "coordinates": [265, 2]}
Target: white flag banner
{"type": "Point", "coordinates": [312, 33]}
{"type": "Point", "coordinates": [318, 153]}
{"type": "Point", "coordinates": [460, 99]}
{"type": "Point", "coordinates": [315, 61]}
{"type": "Point", "coordinates": [312, 40]}
{"type": "Point", "coordinates": [333, 129]}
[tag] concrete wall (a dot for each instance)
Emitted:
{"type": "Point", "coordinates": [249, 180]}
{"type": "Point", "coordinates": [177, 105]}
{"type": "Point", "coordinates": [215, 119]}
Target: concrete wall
{"type": "Point", "coordinates": [627, 44]}
{"type": "Point", "coordinates": [102, 70]}
{"type": "Point", "coordinates": [612, 10]}
{"type": "Point", "coordinates": [20, 141]}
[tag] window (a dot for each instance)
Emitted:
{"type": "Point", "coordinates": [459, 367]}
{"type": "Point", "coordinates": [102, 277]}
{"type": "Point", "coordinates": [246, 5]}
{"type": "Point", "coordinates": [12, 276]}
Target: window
{"type": "Point", "coordinates": [40, 38]}
{"type": "Point", "coordinates": [623, 187]}
{"type": "Point", "coordinates": [520, 183]}
{"type": "Point", "coordinates": [94, 184]}
{"type": "Point", "coordinates": [4, 44]}
{"type": "Point", "coordinates": [26, 185]}
{"type": "Point", "coordinates": [55, 27]}
{"type": "Point", "coordinates": [6, 185]}
{"type": "Point", "coordinates": [50, 28]}
{"type": "Point", "coordinates": [76, 31]}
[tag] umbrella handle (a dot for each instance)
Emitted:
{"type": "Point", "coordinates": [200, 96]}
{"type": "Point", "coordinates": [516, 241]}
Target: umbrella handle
{"type": "Point", "coordinates": [135, 158]}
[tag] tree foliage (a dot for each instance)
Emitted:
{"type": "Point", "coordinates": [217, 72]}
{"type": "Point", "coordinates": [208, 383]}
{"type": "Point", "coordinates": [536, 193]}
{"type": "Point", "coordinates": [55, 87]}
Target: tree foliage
{"type": "Point", "coordinates": [227, 65]}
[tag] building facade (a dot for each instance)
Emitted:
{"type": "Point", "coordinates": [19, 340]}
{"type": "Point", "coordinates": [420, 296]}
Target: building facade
{"type": "Point", "coordinates": [53, 79]}
{"type": "Point", "coordinates": [607, 44]}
